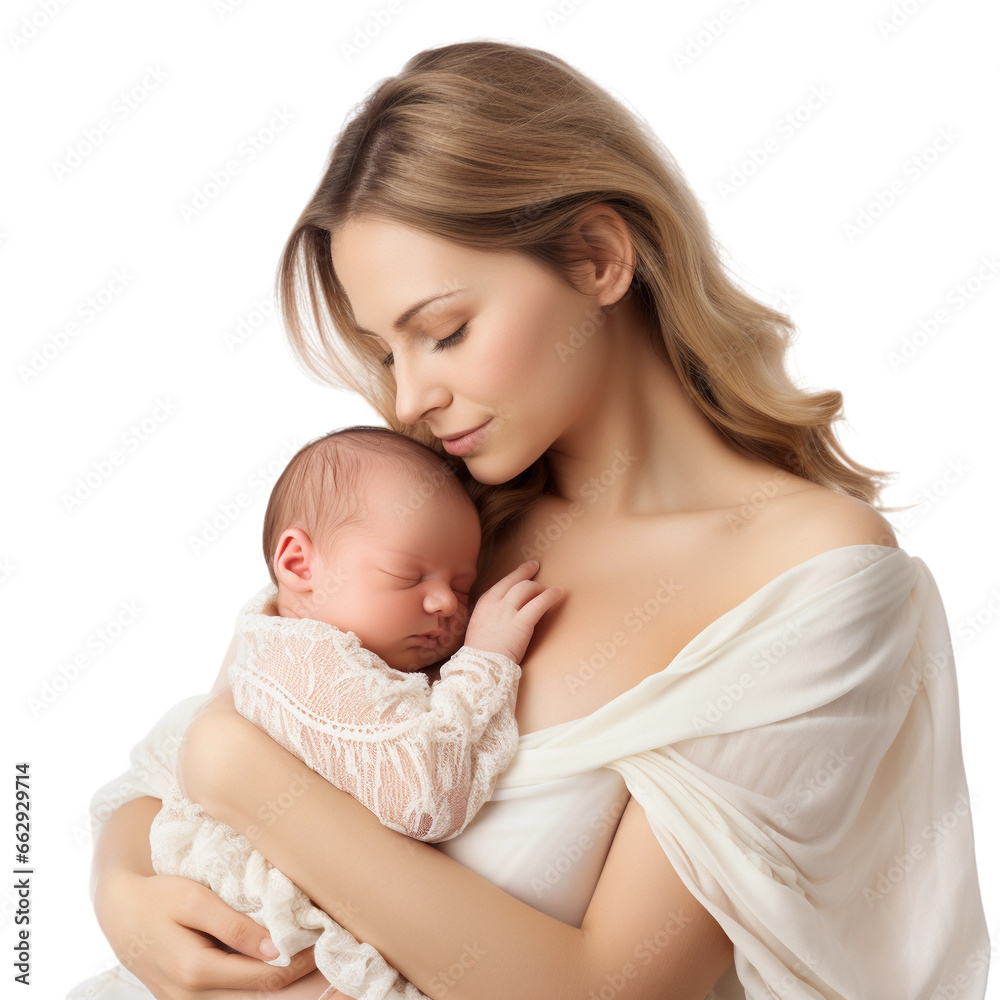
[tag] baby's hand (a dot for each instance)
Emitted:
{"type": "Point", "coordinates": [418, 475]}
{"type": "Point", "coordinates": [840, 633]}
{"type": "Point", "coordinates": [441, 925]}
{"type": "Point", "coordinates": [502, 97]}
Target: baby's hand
{"type": "Point", "coordinates": [504, 618]}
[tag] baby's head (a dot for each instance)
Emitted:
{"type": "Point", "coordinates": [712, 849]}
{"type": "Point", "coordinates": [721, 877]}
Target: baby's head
{"type": "Point", "coordinates": [372, 532]}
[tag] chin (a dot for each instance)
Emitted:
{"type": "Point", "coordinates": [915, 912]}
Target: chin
{"type": "Point", "coordinates": [413, 661]}
{"type": "Point", "coordinates": [407, 667]}
{"type": "Point", "coordinates": [404, 666]}
{"type": "Point", "coordinates": [491, 472]}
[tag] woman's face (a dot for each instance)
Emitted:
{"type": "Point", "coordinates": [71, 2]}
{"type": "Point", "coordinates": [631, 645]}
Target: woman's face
{"type": "Point", "coordinates": [509, 344]}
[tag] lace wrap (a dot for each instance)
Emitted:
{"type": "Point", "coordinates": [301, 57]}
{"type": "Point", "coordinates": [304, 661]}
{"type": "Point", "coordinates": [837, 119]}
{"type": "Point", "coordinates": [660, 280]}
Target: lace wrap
{"type": "Point", "coordinates": [423, 757]}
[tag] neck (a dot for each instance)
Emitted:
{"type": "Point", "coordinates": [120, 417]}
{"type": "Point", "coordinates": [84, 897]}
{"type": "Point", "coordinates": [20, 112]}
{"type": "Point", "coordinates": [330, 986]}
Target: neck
{"type": "Point", "coordinates": [639, 444]}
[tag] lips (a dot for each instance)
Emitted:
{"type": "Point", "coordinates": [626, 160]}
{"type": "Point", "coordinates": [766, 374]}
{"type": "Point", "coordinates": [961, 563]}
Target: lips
{"type": "Point", "coordinates": [429, 639]}
{"type": "Point", "coordinates": [464, 444]}
{"type": "Point", "coordinates": [460, 434]}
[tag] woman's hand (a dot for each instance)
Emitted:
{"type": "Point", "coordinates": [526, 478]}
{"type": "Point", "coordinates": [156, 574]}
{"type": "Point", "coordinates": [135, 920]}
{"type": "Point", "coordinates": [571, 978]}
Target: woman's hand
{"type": "Point", "coordinates": [166, 930]}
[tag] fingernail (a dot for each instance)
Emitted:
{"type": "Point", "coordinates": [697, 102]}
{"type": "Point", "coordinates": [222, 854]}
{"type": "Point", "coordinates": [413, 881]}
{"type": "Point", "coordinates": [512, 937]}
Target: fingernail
{"type": "Point", "coordinates": [267, 948]}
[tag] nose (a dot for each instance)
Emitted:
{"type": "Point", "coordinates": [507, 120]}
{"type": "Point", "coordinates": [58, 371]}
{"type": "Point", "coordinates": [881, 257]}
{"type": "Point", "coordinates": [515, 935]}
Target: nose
{"type": "Point", "coordinates": [440, 600]}
{"type": "Point", "coordinates": [417, 390]}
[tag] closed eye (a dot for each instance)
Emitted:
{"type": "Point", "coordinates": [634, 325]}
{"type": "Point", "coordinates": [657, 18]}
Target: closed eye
{"type": "Point", "coordinates": [407, 579]}
{"type": "Point", "coordinates": [442, 345]}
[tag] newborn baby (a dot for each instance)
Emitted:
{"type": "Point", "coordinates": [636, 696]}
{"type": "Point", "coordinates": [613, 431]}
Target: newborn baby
{"type": "Point", "coordinates": [372, 548]}
{"type": "Point", "coordinates": [367, 535]}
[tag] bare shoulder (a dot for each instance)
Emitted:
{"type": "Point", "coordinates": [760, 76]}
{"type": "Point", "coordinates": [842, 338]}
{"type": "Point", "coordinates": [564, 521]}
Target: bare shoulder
{"type": "Point", "coordinates": [840, 519]}
{"type": "Point", "coordinates": [817, 519]}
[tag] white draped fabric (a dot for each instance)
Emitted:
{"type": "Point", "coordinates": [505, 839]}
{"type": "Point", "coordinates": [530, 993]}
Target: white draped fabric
{"type": "Point", "coordinates": [800, 763]}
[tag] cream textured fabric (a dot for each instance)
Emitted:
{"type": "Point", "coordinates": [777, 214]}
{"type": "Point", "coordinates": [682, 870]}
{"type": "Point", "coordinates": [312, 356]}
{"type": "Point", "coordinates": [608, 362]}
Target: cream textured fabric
{"type": "Point", "coordinates": [423, 757]}
{"type": "Point", "coordinates": [800, 763]}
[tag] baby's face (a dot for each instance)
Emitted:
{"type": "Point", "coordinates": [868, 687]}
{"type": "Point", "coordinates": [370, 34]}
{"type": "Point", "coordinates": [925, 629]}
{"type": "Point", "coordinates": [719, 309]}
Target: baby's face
{"type": "Point", "coordinates": [408, 576]}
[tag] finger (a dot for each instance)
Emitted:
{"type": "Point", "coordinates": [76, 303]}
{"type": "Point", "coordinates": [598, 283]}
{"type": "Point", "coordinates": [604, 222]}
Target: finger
{"type": "Point", "coordinates": [212, 920]}
{"type": "Point", "coordinates": [525, 571]}
{"type": "Point", "coordinates": [543, 602]}
{"type": "Point", "coordinates": [523, 591]}
{"type": "Point", "coordinates": [222, 970]}
{"type": "Point", "coordinates": [210, 913]}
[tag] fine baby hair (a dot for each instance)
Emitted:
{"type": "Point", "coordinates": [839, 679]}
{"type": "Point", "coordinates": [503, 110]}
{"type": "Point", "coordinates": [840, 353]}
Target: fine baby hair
{"type": "Point", "coordinates": [324, 485]}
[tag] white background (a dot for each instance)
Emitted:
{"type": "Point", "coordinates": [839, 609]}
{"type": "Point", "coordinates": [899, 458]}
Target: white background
{"type": "Point", "coordinates": [224, 72]}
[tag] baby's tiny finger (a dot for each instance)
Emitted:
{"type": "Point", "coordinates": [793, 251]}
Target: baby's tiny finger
{"type": "Point", "coordinates": [522, 591]}
{"type": "Point", "coordinates": [525, 571]}
{"type": "Point", "coordinates": [547, 599]}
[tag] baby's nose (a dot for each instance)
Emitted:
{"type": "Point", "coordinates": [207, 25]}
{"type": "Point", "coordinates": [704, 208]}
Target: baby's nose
{"type": "Point", "coordinates": [445, 602]}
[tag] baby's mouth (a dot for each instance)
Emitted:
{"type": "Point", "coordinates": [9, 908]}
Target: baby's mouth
{"type": "Point", "coordinates": [430, 639]}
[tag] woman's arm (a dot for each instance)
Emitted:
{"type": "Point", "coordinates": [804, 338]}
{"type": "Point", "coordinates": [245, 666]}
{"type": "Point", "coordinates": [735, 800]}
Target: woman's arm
{"type": "Point", "coordinates": [120, 847]}
{"type": "Point", "coordinates": [443, 926]}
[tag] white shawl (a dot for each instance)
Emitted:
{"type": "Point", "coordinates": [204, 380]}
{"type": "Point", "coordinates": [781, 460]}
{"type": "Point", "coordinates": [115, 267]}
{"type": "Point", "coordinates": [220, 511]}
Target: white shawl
{"type": "Point", "coordinates": [800, 763]}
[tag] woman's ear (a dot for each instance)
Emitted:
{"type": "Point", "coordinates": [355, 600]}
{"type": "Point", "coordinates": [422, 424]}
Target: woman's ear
{"type": "Point", "coordinates": [603, 241]}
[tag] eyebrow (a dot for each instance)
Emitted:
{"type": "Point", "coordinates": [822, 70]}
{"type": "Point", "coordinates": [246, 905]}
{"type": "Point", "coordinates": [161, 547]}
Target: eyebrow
{"type": "Point", "coordinates": [405, 317]}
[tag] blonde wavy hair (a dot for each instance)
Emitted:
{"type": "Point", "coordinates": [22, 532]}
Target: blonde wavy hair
{"type": "Point", "coordinates": [498, 147]}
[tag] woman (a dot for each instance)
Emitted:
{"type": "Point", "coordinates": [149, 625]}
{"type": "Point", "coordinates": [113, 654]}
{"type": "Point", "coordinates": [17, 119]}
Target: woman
{"type": "Point", "coordinates": [743, 712]}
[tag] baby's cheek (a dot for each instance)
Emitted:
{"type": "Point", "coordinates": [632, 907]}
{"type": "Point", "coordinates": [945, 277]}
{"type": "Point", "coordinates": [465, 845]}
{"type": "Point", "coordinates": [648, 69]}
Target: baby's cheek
{"type": "Point", "coordinates": [461, 618]}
